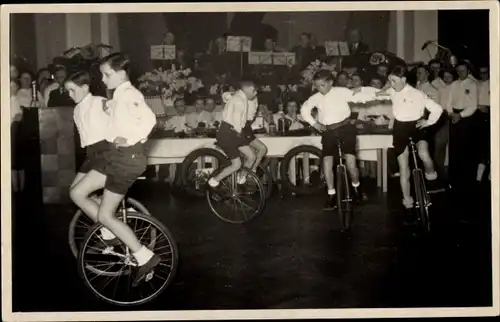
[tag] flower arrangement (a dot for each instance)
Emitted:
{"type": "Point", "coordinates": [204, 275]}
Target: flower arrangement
{"type": "Point", "coordinates": [169, 83]}
{"type": "Point", "coordinates": [308, 73]}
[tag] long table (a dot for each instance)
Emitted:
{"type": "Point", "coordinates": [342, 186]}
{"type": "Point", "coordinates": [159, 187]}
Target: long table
{"type": "Point", "coordinates": [175, 150]}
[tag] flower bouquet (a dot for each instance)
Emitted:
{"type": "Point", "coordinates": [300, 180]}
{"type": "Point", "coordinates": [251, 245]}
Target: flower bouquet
{"type": "Point", "coordinates": [308, 73]}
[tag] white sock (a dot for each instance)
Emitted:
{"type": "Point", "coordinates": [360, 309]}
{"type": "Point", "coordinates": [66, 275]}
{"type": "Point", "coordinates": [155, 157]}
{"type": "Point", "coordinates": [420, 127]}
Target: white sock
{"type": "Point", "coordinates": [143, 255]}
{"type": "Point", "coordinates": [106, 234]}
{"type": "Point", "coordinates": [355, 185]}
{"type": "Point", "coordinates": [242, 178]}
{"type": "Point", "coordinates": [331, 192]}
{"type": "Point", "coordinates": [480, 171]}
{"type": "Point", "coordinates": [431, 176]}
{"type": "Point", "coordinates": [213, 183]}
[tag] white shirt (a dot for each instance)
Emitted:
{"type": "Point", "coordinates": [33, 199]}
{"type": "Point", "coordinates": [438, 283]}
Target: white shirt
{"type": "Point", "coordinates": [409, 105]}
{"type": "Point", "coordinates": [438, 83]}
{"type": "Point", "coordinates": [253, 106]}
{"type": "Point", "coordinates": [444, 97]}
{"type": "Point", "coordinates": [177, 123]}
{"type": "Point", "coordinates": [332, 107]}
{"type": "Point", "coordinates": [24, 98]}
{"type": "Point", "coordinates": [430, 90]}
{"type": "Point", "coordinates": [15, 109]}
{"type": "Point", "coordinates": [464, 96]}
{"type": "Point", "coordinates": [206, 117]}
{"type": "Point", "coordinates": [131, 117]}
{"type": "Point", "coordinates": [235, 111]}
{"type": "Point", "coordinates": [192, 119]}
{"type": "Point", "coordinates": [91, 120]}
{"type": "Point", "coordinates": [483, 92]}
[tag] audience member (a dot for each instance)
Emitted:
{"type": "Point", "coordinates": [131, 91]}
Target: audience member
{"type": "Point", "coordinates": [60, 96]}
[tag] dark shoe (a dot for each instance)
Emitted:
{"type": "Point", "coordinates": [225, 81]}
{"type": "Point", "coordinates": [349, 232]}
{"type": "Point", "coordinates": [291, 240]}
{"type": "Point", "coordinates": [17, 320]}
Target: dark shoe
{"type": "Point", "coordinates": [145, 269]}
{"type": "Point", "coordinates": [331, 202]}
{"type": "Point", "coordinates": [410, 216]}
{"type": "Point", "coordinates": [359, 195]}
{"type": "Point", "coordinates": [435, 186]}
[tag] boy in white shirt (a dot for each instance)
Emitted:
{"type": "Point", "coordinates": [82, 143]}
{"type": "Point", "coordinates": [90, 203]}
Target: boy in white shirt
{"type": "Point", "coordinates": [483, 96]}
{"type": "Point", "coordinates": [131, 121]}
{"type": "Point", "coordinates": [231, 137]}
{"type": "Point", "coordinates": [206, 115]}
{"type": "Point", "coordinates": [463, 100]}
{"type": "Point", "coordinates": [178, 123]}
{"type": "Point", "coordinates": [409, 105]}
{"type": "Point", "coordinates": [334, 124]}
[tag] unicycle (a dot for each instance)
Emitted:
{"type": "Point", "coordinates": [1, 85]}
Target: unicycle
{"type": "Point", "coordinates": [236, 202]}
{"type": "Point", "coordinates": [423, 201]}
{"type": "Point", "coordinates": [344, 197]}
{"type": "Point", "coordinates": [81, 223]}
{"type": "Point", "coordinates": [107, 271]}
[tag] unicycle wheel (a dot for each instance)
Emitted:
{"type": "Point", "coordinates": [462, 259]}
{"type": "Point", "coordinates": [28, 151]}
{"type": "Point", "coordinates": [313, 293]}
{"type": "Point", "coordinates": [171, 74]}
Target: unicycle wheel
{"type": "Point", "coordinates": [234, 202]}
{"type": "Point", "coordinates": [115, 286]}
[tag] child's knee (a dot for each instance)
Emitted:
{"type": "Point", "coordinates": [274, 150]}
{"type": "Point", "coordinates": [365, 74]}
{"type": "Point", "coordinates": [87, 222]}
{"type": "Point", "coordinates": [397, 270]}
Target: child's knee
{"type": "Point", "coordinates": [76, 194]}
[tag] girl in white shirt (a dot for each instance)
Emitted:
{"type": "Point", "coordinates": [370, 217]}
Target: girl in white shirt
{"type": "Point", "coordinates": [408, 110]}
{"type": "Point", "coordinates": [131, 121]}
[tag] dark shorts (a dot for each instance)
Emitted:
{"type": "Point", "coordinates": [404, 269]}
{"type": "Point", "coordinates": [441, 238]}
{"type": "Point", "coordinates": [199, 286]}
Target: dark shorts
{"type": "Point", "coordinates": [346, 133]}
{"type": "Point", "coordinates": [122, 167]}
{"type": "Point", "coordinates": [248, 132]}
{"type": "Point", "coordinates": [95, 158]}
{"type": "Point", "coordinates": [229, 140]}
{"type": "Point", "coordinates": [401, 133]}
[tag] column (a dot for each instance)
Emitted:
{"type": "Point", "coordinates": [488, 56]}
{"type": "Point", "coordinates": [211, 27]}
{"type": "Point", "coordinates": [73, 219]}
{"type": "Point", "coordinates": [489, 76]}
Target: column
{"type": "Point", "coordinates": [78, 29]}
{"type": "Point", "coordinates": [50, 33]}
{"type": "Point", "coordinates": [425, 29]}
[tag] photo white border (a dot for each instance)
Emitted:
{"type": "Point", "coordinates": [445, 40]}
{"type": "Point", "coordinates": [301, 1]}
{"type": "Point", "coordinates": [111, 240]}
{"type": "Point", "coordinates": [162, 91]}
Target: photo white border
{"type": "Point", "coordinates": [7, 313]}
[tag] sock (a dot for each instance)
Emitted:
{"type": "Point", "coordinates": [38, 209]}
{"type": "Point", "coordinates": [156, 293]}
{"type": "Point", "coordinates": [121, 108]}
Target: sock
{"type": "Point", "coordinates": [331, 192]}
{"type": "Point", "coordinates": [408, 202]}
{"type": "Point", "coordinates": [431, 176]}
{"type": "Point", "coordinates": [107, 234]}
{"type": "Point", "coordinates": [143, 255]}
{"type": "Point", "coordinates": [480, 171]}
{"type": "Point", "coordinates": [355, 185]}
{"type": "Point", "coordinates": [242, 178]}
{"type": "Point", "coordinates": [213, 183]}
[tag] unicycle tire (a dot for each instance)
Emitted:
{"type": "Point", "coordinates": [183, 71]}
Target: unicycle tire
{"type": "Point", "coordinates": [422, 202]}
{"type": "Point", "coordinates": [75, 238]}
{"type": "Point", "coordinates": [126, 274]}
{"type": "Point", "coordinates": [344, 200]}
{"type": "Point", "coordinates": [230, 195]}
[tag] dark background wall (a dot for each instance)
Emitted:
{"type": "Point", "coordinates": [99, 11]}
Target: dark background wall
{"type": "Point", "coordinates": [467, 27]}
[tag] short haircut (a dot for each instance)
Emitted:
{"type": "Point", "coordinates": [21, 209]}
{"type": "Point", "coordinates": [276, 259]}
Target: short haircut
{"type": "Point", "coordinates": [79, 78]}
{"type": "Point", "coordinates": [27, 72]}
{"type": "Point", "coordinates": [307, 34]}
{"type": "Point", "coordinates": [434, 61]}
{"type": "Point", "coordinates": [180, 99]}
{"type": "Point", "coordinates": [40, 71]}
{"type": "Point", "coordinates": [399, 71]}
{"type": "Point", "coordinates": [117, 62]}
{"type": "Point", "coordinates": [246, 82]}
{"type": "Point", "coordinates": [463, 63]}
{"type": "Point", "coordinates": [422, 66]}
{"type": "Point", "coordinates": [380, 78]}
{"type": "Point", "coordinates": [323, 74]}
{"type": "Point", "coordinates": [448, 70]}
{"type": "Point", "coordinates": [59, 68]}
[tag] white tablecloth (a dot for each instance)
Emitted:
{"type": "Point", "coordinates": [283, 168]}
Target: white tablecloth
{"type": "Point", "coordinates": [174, 150]}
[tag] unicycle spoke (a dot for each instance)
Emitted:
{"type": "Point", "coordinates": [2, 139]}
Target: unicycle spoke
{"type": "Point", "coordinates": [110, 276]}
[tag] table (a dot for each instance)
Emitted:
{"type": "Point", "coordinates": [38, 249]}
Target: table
{"type": "Point", "coordinates": [175, 150]}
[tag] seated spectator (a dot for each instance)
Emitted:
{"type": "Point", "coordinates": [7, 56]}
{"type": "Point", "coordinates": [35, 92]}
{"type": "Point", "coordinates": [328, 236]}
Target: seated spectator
{"type": "Point", "coordinates": [356, 45]}
{"type": "Point", "coordinates": [178, 122]}
{"type": "Point", "coordinates": [263, 118]}
{"type": "Point", "coordinates": [25, 92]}
{"type": "Point", "coordinates": [193, 113]}
{"type": "Point", "coordinates": [43, 80]}
{"type": "Point", "coordinates": [293, 115]}
{"type": "Point", "coordinates": [207, 115]}
{"type": "Point", "coordinates": [424, 85]}
{"type": "Point", "coordinates": [378, 81]}
{"type": "Point", "coordinates": [59, 96]}
{"type": "Point", "coordinates": [342, 79]}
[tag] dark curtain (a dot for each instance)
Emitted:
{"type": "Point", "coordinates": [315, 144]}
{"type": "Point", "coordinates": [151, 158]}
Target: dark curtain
{"type": "Point", "coordinates": [194, 30]}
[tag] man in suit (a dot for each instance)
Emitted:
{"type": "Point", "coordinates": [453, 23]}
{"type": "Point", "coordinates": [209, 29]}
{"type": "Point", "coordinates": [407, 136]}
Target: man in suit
{"type": "Point", "coordinates": [60, 96]}
{"type": "Point", "coordinates": [305, 51]}
{"type": "Point", "coordinates": [356, 45]}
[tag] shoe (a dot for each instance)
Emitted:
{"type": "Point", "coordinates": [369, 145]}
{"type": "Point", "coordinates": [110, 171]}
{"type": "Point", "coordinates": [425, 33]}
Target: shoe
{"type": "Point", "coordinates": [410, 216]}
{"type": "Point", "coordinates": [145, 269]}
{"type": "Point", "coordinates": [435, 186]}
{"type": "Point", "coordinates": [331, 202]}
{"type": "Point", "coordinates": [359, 195]}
